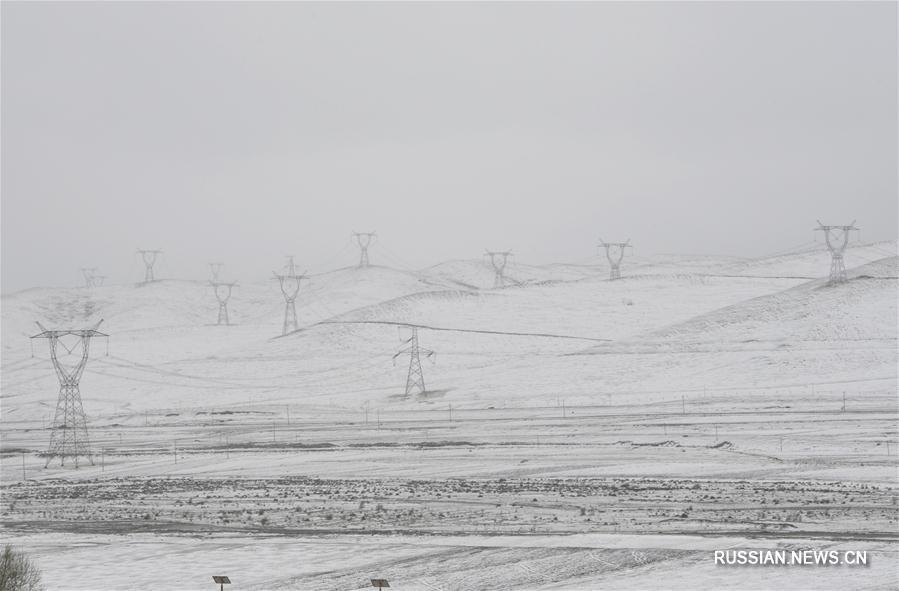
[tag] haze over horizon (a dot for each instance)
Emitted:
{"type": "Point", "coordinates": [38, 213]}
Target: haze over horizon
{"type": "Point", "coordinates": [242, 132]}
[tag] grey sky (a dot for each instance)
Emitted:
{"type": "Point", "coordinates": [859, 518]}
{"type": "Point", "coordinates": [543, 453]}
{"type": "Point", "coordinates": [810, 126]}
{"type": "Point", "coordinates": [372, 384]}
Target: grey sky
{"type": "Point", "coordinates": [246, 131]}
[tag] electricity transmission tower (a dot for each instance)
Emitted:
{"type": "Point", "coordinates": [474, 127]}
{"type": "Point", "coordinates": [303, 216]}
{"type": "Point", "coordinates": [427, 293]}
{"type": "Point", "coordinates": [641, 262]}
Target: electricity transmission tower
{"type": "Point", "coordinates": [291, 268]}
{"type": "Point", "coordinates": [290, 287]}
{"type": "Point", "coordinates": [223, 294]}
{"type": "Point", "coordinates": [415, 379]}
{"type": "Point", "coordinates": [836, 238]}
{"type": "Point", "coordinates": [91, 278]}
{"type": "Point", "coordinates": [216, 269]}
{"type": "Point", "coordinates": [499, 279]}
{"type": "Point", "coordinates": [69, 438]}
{"type": "Point", "coordinates": [149, 257]}
{"type": "Point", "coordinates": [614, 254]}
{"type": "Point", "coordinates": [363, 239]}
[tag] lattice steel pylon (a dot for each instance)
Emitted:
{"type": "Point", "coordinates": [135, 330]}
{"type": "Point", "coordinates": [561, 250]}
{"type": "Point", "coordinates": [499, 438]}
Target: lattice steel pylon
{"type": "Point", "coordinates": [615, 261]}
{"type": "Point", "coordinates": [149, 258]}
{"type": "Point", "coordinates": [415, 380]}
{"type": "Point", "coordinates": [69, 437]}
{"type": "Point", "coordinates": [216, 270]}
{"type": "Point", "coordinates": [91, 278]}
{"type": "Point", "coordinates": [223, 294]}
{"type": "Point", "coordinates": [290, 287]}
{"type": "Point", "coordinates": [363, 239]}
{"type": "Point", "coordinates": [499, 268]}
{"type": "Point", "coordinates": [836, 245]}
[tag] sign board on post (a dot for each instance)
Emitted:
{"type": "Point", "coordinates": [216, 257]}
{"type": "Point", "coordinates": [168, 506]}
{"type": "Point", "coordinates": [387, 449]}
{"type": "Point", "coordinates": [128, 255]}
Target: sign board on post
{"type": "Point", "coordinates": [221, 581]}
{"type": "Point", "coordinates": [380, 583]}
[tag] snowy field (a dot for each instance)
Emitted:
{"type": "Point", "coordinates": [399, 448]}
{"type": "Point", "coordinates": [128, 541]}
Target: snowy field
{"type": "Point", "coordinates": [576, 432]}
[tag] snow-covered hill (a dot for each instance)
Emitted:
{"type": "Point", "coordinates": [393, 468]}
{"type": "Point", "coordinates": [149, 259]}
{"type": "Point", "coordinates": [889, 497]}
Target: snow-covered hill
{"type": "Point", "coordinates": [560, 331]}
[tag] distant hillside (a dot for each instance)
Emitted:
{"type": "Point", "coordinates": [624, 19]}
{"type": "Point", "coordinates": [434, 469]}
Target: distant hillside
{"type": "Point", "coordinates": [560, 331]}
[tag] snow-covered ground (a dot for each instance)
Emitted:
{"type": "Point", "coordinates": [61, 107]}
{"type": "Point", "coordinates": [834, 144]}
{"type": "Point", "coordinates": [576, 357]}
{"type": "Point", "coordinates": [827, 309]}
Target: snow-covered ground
{"type": "Point", "coordinates": [712, 370]}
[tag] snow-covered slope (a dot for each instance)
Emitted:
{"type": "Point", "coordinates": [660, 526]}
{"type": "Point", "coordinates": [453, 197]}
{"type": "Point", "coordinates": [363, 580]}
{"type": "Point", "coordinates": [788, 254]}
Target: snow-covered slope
{"type": "Point", "coordinates": [480, 274]}
{"type": "Point", "coordinates": [860, 310]}
{"type": "Point", "coordinates": [590, 308]}
{"type": "Point", "coordinates": [565, 334]}
{"type": "Point", "coordinates": [161, 307]}
{"type": "Point", "coordinates": [811, 260]}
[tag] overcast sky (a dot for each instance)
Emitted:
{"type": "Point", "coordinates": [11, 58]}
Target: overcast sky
{"type": "Point", "coordinates": [242, 132]}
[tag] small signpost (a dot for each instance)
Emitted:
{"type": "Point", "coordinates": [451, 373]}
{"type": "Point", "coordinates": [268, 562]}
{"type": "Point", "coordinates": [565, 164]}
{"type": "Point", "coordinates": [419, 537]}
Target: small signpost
{"type": "Point", "coordinates": [380, 583]}
{"type": "Point", "coordinates": [221, 581]}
